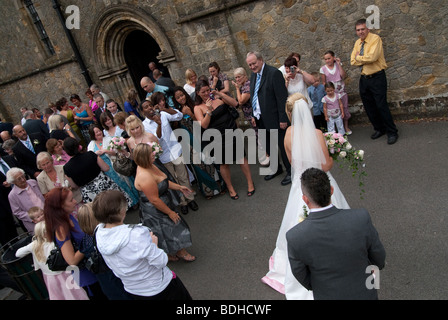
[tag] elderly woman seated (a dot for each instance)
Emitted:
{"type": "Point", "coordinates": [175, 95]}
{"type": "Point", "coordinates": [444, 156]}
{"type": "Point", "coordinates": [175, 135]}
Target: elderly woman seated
{"type": "Point", "coordinates": [24, 195]}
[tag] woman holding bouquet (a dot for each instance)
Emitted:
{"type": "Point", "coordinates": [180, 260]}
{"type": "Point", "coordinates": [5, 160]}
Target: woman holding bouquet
{"type": "Point", "coordinates": [101, 146]}
{"type": "Point", "coordinates": [137, 133]}
{"type": "Point", "coordinates": [305, 146]}
{"type": "Point", "coordinates": [86, 171]}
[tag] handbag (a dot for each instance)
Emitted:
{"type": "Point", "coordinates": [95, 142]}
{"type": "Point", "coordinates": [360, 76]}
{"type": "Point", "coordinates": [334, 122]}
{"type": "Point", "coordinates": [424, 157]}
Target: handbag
{"type": "Point", "coordinates": [95, 263]}
{"type": "Point", "coordinates": [56, 261]}
{"type": "Point", "coordinates": [234, 112]}
{"type": "Point", "coordinates": [123, 165]}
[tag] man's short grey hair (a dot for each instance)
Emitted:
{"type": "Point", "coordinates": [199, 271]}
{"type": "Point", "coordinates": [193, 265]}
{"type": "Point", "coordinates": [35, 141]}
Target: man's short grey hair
{"type": "Point", "coordinates": [94, 87]}
{"type": "Point", "coordinates": [8, 144]}
{"type": "Point", "coordinates": [12, 173]}
{"type": "Point", "coordinates": [28, 114]}
{"type": "Point", "coordinates": [256, 53]}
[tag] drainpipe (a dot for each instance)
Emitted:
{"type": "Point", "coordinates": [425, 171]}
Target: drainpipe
{"type": "Point", "coordinates": [70, 38]}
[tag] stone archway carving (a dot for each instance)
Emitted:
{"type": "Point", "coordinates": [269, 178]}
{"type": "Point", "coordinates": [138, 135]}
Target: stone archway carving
{"type": "Point", "coordinates": [108, 36]}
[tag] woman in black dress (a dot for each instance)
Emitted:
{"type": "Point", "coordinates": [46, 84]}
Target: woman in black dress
{"type": "Point", "coordinates": [212, 112]}
{"type": "Point", "coordinates": [86, 171]}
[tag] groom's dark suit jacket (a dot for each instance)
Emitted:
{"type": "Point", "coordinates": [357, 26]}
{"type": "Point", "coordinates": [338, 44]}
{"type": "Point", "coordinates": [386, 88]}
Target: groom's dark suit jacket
{"type": "Point", "coordinates": [26, 158]}
{"type": "Point", "coordinates": [330, 250]}
{"type": "Point", "coordinates": [272, 96]}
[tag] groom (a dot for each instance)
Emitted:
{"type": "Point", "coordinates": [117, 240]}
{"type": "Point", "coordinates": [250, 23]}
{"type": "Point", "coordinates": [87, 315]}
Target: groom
{"type": "Point", "coordinates": [268, 95]}
{"type": "Point", "coordinates": [332, 251]}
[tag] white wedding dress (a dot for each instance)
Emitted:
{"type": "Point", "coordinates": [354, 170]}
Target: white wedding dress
{"type": "Point", "coordinates": [306, 153]}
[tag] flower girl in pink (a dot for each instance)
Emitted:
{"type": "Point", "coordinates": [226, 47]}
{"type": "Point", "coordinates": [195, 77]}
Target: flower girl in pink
{"type": "Point", "coordinates": [333, 72]}
{"type": "Point", "coordinates": [58, 283]}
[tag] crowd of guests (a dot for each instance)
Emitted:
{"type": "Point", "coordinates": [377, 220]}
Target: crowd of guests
{"type": "Point", "coordinates": [60, 183]}
{"type": "Point", "coordinates": [58, 161]}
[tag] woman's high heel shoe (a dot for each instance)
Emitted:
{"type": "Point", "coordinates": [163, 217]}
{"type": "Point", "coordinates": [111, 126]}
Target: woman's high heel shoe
{"type": "Point", "coordinates": [251, 193]}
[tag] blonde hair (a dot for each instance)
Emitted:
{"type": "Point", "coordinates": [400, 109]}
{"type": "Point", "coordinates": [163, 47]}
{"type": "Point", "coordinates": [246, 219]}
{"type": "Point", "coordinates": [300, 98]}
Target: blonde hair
{"type": "Point", "coordinates": [32, 212]}
{"type": "Point", "coordinates": [241, 71]}
{"type": "Point", "coordinates": [290, 103]}
{"type": "Point", "coordinates": [39, 240]}
{"type": "Point", "coordinates": [189, 73]}
{"type": "Point", "coordinates": [54, 122]}
{"type": "Point", "coordinates": [86, 218]}
{"type": "Point", "coordinates": [130, 120]}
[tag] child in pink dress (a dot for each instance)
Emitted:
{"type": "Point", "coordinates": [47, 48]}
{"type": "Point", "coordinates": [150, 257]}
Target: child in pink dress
{"type": "Point", "coordinates": [55, 281]}
{"type": "Point", "coordinates": [333, 109]}
{"type": "Point", "coordinates": [333, 72]}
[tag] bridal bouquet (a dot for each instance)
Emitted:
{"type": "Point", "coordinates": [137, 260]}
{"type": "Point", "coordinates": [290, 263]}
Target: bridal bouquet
{"type": "Point", "coordinates": [156, 149]}
{"type": "Point", "coordinates": [117, 143]}
{"type": "Point", "coordinates": [341, 150]}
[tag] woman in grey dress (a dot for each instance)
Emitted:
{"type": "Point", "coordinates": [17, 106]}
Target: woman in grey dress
{"type": "Point", "coordinates": [158, 201]}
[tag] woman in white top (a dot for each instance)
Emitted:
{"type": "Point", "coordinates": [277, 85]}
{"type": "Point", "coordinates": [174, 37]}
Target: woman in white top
{"type": "Point", "coordinates": [111, 129]}
{"type": "Point", "coordinates": [131, 252]}
{"type": "Point", "coordinates": [56, 281]}
{"type": "Point", "coordinates": [191, 78]}
{"type": "Point", "coordinates": [297, 80]}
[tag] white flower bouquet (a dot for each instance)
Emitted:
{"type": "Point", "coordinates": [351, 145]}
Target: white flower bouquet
{"type": "Point", "coordinates": [342, 151]}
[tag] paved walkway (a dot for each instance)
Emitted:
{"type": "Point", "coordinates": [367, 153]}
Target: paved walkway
{"type": "Point", "coordinates": [405, 195]}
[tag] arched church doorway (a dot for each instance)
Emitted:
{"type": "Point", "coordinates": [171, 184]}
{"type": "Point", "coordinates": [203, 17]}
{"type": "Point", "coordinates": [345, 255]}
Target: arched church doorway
{"type": "Point", "coordinates": [139, 50]}
{"type": "Point", "coordinates": [123, 42]}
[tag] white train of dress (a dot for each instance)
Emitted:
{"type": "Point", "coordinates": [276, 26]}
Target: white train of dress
{"type": "Point", "coordinates": [306, 153]}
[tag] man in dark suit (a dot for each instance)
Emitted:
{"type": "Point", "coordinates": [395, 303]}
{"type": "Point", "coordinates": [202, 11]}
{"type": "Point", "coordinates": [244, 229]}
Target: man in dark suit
{"type": "Point", "coordinates": [161, 80]}
{"type": "Point", "coordinates": [268, 98]}
{"type": "Point", "coordinates": [102, 107]}
{"type": "Point", "coordinates": [33, 125]}
{"type": "Point", "coordinates": [333, 251]}
{"type": "Point", "coordinates": [27, 148]}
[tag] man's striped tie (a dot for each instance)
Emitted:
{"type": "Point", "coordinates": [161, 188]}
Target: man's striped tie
{"type": "Point", "coordinates": [361, 53]}
{"type": "Point", "coordinates": [255, 97]}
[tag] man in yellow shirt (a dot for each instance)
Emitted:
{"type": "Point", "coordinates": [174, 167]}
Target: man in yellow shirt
{"type": "Point", "coordinates": [369, 56]}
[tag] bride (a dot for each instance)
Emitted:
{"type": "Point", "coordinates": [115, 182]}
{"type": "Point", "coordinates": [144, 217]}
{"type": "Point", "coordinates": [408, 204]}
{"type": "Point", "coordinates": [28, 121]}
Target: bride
{"type": "Point", "coordinates": [305, 146]}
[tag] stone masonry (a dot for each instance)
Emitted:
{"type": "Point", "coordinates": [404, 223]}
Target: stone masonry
{"type": "Point", "coordinates": [193, 33]}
